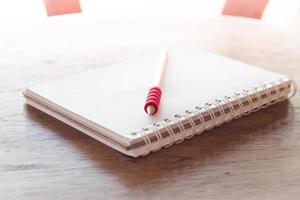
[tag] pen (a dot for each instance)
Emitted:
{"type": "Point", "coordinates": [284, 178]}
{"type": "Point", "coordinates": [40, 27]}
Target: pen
{"type": "Point", "coordinates": [154, 94]}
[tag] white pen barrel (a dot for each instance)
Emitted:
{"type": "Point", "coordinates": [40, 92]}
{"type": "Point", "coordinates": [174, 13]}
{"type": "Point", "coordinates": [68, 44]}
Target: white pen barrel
{"type": "Point", "coordinates": [162, 63]}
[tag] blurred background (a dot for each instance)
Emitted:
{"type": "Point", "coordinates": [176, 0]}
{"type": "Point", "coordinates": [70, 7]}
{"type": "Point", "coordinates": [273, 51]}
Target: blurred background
{"type": "Point", "coordinates": [260, 32]}
{"type": "Point", "coordinates": [280, 12]}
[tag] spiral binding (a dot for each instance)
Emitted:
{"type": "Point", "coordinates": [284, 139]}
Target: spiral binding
{"type": "Point", "coordinates": [223, 110]}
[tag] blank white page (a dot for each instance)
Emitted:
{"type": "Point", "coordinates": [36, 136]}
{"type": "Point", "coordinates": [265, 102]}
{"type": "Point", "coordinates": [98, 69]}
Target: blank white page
{"type": "Point", "coordinates": [112, 97]}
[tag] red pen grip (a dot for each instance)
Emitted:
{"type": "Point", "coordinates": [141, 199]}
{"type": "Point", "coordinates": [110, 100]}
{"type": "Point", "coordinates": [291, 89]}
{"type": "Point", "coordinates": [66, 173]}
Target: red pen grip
{"type": "Point", "coordinates": [153, 98]}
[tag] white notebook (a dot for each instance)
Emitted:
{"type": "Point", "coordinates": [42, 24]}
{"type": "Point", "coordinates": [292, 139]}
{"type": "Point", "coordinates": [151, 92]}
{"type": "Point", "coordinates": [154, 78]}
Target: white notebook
{"type": "Point", "coordinates": [201, 90]}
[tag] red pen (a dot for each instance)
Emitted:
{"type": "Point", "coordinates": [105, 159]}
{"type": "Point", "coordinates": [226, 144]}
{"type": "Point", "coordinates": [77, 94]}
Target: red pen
{"type": "Point", "coordinates": [154, 94]}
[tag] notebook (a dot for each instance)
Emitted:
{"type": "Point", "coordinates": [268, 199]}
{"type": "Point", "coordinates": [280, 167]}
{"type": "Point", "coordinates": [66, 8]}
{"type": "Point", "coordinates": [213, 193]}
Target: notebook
{"type": "Point", "coordinates": [201, 90]}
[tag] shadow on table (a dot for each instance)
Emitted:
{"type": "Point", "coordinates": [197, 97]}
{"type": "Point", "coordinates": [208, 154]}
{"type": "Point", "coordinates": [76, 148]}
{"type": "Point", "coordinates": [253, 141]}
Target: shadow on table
{"type": "Point", "coordinates": [248, 138]}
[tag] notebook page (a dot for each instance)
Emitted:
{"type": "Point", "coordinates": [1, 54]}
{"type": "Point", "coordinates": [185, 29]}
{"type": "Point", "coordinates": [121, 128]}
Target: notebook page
{"type": "Point", "coordinates": [112, 97]}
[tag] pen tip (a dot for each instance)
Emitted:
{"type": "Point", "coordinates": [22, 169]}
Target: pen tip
{"type": "Point", "coordinates": [150, 110]}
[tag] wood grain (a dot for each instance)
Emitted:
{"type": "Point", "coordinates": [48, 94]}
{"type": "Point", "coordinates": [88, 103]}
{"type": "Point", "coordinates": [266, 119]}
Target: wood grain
{"type": "Point", "coordinates": [255, 157]}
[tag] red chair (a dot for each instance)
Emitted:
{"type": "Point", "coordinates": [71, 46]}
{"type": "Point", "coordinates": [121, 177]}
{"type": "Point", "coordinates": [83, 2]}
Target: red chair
{"type": "Point", "coordinates": [245, 8]}
{"type": "Point", "coordinates": [60, 7]}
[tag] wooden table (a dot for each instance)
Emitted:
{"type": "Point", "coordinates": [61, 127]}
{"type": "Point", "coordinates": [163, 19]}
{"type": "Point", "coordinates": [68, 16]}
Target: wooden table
{"type": "Point", "coordinates": [255, 157]}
